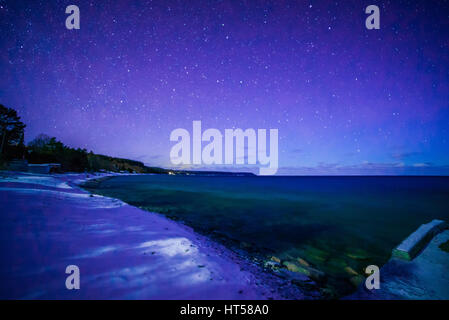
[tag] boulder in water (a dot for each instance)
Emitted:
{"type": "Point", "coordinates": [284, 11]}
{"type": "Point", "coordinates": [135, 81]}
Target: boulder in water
{"type": "Point", "coordinates": [357, 254]}
{"type": "Point", "coordinates": [308, 271]}
{"type": "Point", "coordinates": [292, 266]}
{"type": "Point", "coordinates": [303, 262]}
{"type": "Point", "coordinates": [351, 271]}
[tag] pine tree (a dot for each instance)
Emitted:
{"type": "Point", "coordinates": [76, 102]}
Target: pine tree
{"type": "Point", "coordinates": [11, 128]}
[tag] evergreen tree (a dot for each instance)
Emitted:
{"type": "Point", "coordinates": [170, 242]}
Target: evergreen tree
{"type": "Point", "coordinates": [11, 130]}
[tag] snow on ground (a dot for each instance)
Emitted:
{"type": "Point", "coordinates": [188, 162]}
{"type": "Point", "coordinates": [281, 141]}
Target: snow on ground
{"type": "Point", "coordinates": [35, 179]}
{"type": "Point", "coordinates": [123, 252]}
{"type": "Point", "coordinates": [424, 278]}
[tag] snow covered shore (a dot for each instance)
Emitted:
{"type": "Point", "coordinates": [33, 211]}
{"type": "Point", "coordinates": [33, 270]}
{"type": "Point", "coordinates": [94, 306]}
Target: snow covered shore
{"type": "Point", "coordinates": [48, 223]}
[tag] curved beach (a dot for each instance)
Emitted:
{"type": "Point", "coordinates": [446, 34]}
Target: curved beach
{"type": "Point", "coordinates": [123, 252]}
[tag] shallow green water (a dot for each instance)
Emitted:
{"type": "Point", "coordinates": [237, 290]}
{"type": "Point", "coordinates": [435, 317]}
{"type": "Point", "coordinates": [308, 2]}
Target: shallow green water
{"type": "Point", "coordinates": [330, 222]}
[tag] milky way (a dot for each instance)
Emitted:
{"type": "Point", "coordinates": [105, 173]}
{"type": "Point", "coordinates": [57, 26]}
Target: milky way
{"type": "Point", "coordinates": [345, 99]}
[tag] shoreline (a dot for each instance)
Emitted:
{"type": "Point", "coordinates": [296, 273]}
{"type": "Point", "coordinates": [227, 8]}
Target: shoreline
{"type": "Point", "coordinates": [279, 274]}
{"type": "Point", "coordinates": [126, 252]}
{"type": "Point", "coordinates": [250, 252]}
{"type": "Point", "coordinates": [151, 243]}
{"type": "Point", "coordinates": [311, 281]}
{"type": "Point", "coordinates": [294, 285]}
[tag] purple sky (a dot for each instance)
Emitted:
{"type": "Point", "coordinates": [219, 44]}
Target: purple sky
{"type": "Point", "coordinates": [346, 100]}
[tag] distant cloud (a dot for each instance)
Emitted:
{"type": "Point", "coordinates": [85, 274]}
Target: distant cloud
{"type": "Point", "coordinates": [405, 155]}
{"type": "Point", "coordinates": [421, 165]}
{"type": "Point", "coordinates": [368, 168]}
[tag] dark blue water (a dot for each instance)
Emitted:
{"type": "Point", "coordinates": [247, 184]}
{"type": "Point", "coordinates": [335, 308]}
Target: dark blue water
{"type": "Point", "coordinates": [330, 222]}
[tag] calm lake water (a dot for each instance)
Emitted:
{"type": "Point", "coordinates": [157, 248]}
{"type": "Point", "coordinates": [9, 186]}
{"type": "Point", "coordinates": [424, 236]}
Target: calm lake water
{"type": "Point", "coordinates": [331, 222]}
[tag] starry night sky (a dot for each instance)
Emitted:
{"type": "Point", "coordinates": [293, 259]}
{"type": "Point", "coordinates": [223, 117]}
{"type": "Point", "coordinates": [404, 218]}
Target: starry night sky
{"type": "Point", "coordinates": [345, 99]}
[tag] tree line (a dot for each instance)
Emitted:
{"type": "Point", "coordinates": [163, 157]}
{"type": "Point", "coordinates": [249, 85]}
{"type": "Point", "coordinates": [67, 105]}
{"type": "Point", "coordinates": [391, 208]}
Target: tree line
{"type": "Point", "coordinates": [46, 149]}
